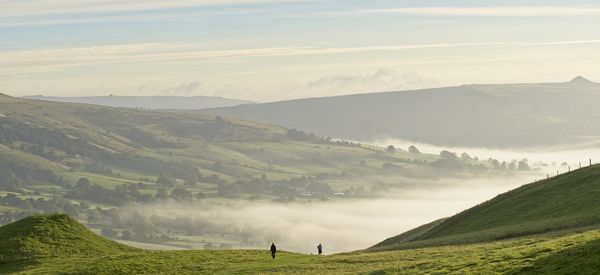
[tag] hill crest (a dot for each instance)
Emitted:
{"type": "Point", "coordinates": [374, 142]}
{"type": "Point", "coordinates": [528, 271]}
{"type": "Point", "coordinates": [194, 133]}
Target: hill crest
{"type": "Point", "coordinates": [52, 236]}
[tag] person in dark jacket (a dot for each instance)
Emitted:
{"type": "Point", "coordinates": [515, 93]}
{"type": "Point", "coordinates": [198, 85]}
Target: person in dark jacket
{"type": "Point", "coordinates": [320, 248]}
{"type": "Point", "coordinates": [273, 250]}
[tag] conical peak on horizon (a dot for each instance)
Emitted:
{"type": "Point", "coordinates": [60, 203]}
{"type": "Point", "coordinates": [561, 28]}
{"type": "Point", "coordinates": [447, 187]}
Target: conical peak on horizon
{"type": "Point", "coordinates": [581, 80]}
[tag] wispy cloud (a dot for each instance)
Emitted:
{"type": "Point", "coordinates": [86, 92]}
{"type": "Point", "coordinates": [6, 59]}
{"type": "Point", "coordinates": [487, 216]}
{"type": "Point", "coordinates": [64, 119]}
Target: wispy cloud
{"type": "Point", "coordinates": [28, 61]}
{"type": "Point", "coordinates": [495, 11]}
{"type": "Point", "coordinates": [14, 13]}
{"type": "Point", "coordinates": [49, 7]}
{"type": "Point", "coordinates": [123, 18]}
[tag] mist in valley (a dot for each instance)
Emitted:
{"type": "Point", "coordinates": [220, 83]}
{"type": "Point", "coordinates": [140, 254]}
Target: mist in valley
{"type": "Point", "coordinates": [349, 224]}
{"type": "Point", "coordinates": [342, 225]}
{"type": "Point", "coordinates": [547, 159]}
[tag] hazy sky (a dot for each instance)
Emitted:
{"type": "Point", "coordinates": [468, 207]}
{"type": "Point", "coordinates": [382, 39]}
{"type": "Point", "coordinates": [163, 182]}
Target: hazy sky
{"type": "Point", "coordinates": [269, 50]}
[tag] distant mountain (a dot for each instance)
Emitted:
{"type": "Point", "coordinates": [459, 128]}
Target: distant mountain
{"type": "Point", "coordinates": [150, 102]}
{"type": "Point", "coordinates": [564, 202]}
{"type": "Point", "coordinates": [507, 115]}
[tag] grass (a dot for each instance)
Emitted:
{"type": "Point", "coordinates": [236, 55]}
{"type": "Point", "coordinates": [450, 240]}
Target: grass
{"type": "Point", "coordinates": [52, 236]}
{"type": "Point", "coordinates": [571, 200]}
{"type": "Point", "coordinates": [564, 253]}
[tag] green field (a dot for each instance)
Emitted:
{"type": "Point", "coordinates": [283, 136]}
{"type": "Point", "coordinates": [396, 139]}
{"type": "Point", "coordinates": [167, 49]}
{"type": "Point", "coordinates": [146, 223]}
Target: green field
{"type": "Point", "coordinates": [58, 245]}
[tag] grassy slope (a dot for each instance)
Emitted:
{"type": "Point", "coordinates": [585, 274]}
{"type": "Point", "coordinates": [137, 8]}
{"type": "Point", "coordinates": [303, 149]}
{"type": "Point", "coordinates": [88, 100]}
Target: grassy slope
{"type": "Point", "coordinates": [54, 235]}
{"type": "Point", "coordinates": [245, 149]}
{"type": "Point", "coordinates": [572, 252]}
{"type": "Point", "coordinates": [567, 201]}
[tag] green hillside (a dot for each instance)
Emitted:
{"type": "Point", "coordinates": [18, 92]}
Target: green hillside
{"type": "Point", "coordinates": [568, 201]}
{"type": "Point", "coordinates": [91, 161]}
{"type": "Point", "coordinates": [56, 235]}
{"type": "Point", "coordinates": [77, 251]}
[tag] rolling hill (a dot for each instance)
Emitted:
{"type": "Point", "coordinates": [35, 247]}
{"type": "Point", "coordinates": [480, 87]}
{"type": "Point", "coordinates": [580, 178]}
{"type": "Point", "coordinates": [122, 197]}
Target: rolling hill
{"type": "Point", "coordinates": [564, 202]}
{"type": "Point", "coordinates": [55, 235]}
{"type": "Point", "coordinates": [506, 115]}
{"type": "Point", "coordinates": [78, 251]}
{"type": "Point", "coordinates": [93, 161]}
{"type": "Point", "coordinates": [150, 102]}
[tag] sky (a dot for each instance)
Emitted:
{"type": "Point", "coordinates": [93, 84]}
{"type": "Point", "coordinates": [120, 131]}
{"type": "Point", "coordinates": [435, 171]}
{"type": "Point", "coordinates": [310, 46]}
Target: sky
{"type": "Point", "coordinates": [270, 50]}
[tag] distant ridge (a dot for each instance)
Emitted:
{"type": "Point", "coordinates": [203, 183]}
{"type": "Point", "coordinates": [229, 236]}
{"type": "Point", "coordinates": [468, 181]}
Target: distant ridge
{"type": "Point", "coordinates": [150, 102]}
{"type": "Point", "coordinates": [485, 115]}
{"type": "Point", "coordinates": [582, 80]}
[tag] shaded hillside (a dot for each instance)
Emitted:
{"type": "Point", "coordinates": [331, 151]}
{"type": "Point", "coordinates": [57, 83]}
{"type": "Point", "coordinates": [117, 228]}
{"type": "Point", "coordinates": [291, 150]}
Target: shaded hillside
{"type": "Point", "coordinates": [56, 235]}
{"type": "Point", "coordinates": [151, 102]}
{"type": "Point", "coordinates": [568, 201]}
{"type": "Point", "coordinates": [131, 146]}
{"type": "Point", "coordinates": [512, 115]}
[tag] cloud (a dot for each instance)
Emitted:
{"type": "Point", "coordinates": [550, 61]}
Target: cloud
{"type": "Point", "coordinates": [379, 80]}
{"type": "Point", "coordinates": [57, 59]}
{"type": "Point", "coordinates": [184, 89]}
{"type": "Point", "coordinates": [12, 8]}
{"type": "Point", "coordinates": [382, 79]}
{"type": "Point", "coordinates": [497, 11]}
{"type": "Point", "coordinates": [129, 18]}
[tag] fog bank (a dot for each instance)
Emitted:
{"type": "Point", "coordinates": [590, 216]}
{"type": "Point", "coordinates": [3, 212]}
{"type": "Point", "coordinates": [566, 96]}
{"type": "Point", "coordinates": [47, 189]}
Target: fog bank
{"type": "Point", "coordinates": [341, 225]}
{"type": "Point", "coordinates": [570, 154]}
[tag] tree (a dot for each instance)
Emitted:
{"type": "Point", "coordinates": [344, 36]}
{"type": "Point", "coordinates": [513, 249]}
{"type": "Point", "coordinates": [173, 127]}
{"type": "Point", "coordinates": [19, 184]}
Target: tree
{"type": "Point", "coordinates": [465, 156]}
{"type": "Point", "coordinates": [413, 149]}
{"type": "Point", "coordinates": [162, 194]}
{"type": "Point", "coordinates": [448, 155]}
{"type": "Point", "coordinates": [391, 149]}
{"type": "Point", "coordinates": [83, 184]}
{"type": "Point", "coordinates": [181, 194]}
{"type": "Point", "coordinates": [523, 165]}
{"type": "Point", "coordinates": [164, 180]}
{"type": "Point", "coordinates": [126, 235]}
{"type": "Point", "coordinates": [217, 166]}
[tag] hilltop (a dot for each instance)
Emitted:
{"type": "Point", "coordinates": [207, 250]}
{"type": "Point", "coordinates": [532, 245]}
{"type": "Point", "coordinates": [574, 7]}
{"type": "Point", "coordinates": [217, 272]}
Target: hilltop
{"type": "Point", "coordinates": [150, 102]}
{"type": "Point", "coordinates": [564, 202]}
{"type": "Point", "coordinates": [55, 235]}
{"type": "Point", "coordinates": [499, 116]}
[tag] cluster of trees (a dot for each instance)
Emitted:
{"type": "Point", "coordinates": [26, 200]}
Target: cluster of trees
{"type": "Point", "coordinates": [41, 205]}
{"type": "Point", "coordinates": [514, 165]}
{"type": "Point", "coordinates": [288, 189]}
{"type": "Point", "coordinates": [12, 131]}
{"type": "Point", "coordinates": [14, 175]}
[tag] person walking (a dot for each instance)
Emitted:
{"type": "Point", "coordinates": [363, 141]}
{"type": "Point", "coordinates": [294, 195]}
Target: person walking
{"type": "Point", "coordinates": [320, 248]}
{"type": "Point", "coordinates": [273, 250]}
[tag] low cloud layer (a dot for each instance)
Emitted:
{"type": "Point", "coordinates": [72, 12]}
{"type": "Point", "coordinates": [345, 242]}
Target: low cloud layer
{"type": "Point", "coordinates": [341, 225]}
